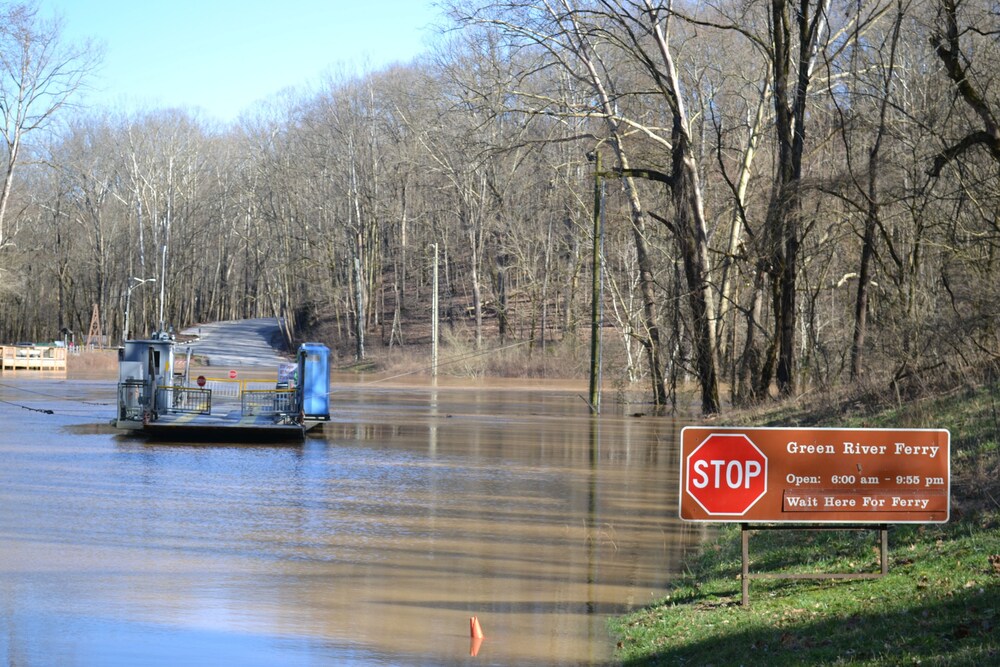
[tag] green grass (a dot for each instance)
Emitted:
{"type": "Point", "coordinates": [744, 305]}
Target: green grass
{"type": "Point", "coordinates": [939, 604]}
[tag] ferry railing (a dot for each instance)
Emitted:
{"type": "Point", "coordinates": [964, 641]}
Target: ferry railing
{"type": "Point", "coordinates": [268, 402]}
{"type": "Point", "coordinates": [231, 388]}
{"type": "Point", "coordinates": [187, 400]}
{"type": "Point", "coordinates": [133, 400]}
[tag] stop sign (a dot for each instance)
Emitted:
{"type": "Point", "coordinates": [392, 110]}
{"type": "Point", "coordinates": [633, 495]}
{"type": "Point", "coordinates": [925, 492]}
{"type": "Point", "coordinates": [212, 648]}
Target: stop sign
{"type": "Point", "coordinates": [726, 474]}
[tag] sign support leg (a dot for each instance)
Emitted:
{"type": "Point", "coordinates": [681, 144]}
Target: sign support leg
{"type": "Point", "coordinates": [746, 529]}
{"type": "Point", "coordinates": [745, 536]}
{"type": "Point", "coordinates": [884, 535]}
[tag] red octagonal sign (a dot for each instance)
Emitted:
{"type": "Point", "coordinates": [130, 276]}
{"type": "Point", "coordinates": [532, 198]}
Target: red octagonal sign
{"type": "Point", "coordinates": [726, 474]}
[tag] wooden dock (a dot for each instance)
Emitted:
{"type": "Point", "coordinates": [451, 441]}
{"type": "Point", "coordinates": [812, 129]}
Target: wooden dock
{"type": "Point", "coordinates": [32, 358]}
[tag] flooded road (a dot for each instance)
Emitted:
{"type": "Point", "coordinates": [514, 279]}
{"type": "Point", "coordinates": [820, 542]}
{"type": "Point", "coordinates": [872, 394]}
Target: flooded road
{"type": "Point", "coordinates": [372, 543]}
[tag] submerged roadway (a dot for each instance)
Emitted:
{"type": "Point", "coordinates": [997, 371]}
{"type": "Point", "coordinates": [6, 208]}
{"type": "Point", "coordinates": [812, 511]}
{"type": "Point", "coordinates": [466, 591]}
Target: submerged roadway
{"type": "Point", "coordinates": [253, 342]}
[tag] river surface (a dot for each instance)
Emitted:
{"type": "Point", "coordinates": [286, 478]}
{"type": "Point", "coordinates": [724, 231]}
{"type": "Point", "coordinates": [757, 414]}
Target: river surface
{"type": "Point", "coordinates": [372, 543]}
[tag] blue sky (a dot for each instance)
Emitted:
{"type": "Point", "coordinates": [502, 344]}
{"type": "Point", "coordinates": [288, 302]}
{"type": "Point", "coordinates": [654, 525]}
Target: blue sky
{"type": "Point", "coordinates": [221, 56]}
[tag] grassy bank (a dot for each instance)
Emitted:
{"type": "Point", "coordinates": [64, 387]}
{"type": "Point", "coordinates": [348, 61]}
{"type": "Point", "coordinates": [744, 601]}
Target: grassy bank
{"type": "Point", "coordinates": [939, 604]}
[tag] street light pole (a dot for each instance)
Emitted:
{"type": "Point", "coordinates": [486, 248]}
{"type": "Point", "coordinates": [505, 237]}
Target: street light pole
{"type": "Point", "coordinates": [128, 301]}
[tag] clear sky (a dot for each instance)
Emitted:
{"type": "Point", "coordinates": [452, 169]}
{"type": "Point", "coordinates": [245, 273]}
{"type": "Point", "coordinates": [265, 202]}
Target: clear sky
{"type": "Point", "coordinates": [221, 56]}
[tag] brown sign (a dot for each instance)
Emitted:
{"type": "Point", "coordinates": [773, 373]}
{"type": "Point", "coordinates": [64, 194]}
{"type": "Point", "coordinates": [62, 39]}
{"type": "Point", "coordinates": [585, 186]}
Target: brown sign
{"type": "Point", "coordinates": [815, 475]}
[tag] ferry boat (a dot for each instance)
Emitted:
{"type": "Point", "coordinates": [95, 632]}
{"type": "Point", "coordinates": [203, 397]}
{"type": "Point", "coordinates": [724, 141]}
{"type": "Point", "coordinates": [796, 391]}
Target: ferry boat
{"type": "Point", "coordinates": [155, 400]}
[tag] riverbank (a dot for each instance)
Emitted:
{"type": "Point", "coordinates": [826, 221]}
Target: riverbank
{"type": "Point", "coordinates": [939, 604]}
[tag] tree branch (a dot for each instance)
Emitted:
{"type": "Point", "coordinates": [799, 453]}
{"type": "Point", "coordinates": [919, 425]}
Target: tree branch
{"type": "Point", "coordinates": [980, 137]}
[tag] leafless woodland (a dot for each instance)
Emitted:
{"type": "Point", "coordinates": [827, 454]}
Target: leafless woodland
{"type": "Point", "coordinates": [795, 194]}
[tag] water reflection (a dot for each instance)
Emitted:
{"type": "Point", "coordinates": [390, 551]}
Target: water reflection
{"type": "Point", "coordinates": [372, 543]}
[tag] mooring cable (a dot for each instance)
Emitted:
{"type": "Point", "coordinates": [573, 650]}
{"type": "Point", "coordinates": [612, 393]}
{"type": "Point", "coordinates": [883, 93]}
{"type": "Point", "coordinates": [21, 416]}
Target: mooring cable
{"type": "Point", "coordinates": [46, 395]}
{"type": "Point", "coordinates": [45, 411]}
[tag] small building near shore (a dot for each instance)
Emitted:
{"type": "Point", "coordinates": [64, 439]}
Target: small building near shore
{"type": "Point", "coordinates": [33, 357]}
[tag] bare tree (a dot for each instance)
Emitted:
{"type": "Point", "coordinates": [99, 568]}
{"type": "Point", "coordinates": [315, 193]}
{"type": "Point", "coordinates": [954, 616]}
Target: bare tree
{"type": "Point", "coordinates": [39, 73]}
{"type": "Point", "coordinates": [973, 84]}
{"type": "Point", "coordinates": [871, 189]}
{"type": "Point", "coordinates": [563, 36]}
{"type": "Point", "coordinates": [689, 225]}
{"type": "Point", "coordinates": [795, 37]}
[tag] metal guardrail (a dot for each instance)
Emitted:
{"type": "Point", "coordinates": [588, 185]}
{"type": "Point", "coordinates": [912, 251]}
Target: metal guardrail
{"type": "Point", "coordinates": [233, 388]}
{"type": "Point", "coordinates": [190, 400]}
{"type": "Point", "coordinates": [132, 400]}
{"type": "Point", "coordinates": [135, 402]}
{"type": "Point", "coordinates": [268, 402]}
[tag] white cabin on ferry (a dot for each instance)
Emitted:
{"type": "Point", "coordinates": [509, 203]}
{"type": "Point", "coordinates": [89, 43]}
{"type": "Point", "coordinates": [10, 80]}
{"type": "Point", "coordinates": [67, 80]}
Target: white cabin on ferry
{"type": "Point", "coordinates": [142, 366]}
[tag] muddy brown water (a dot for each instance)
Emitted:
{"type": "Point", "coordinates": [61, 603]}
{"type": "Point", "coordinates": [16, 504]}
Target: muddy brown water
{"type": "Point", "coordinates": [371, 543]}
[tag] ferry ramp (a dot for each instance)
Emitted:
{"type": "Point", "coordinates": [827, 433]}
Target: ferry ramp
{"type": "Point", "coordinates": [250, 342]}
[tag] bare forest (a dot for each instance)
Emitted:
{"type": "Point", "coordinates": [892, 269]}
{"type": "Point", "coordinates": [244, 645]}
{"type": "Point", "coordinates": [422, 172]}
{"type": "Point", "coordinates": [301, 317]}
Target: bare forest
{"type": "Point", "coordinates": [782, 196]}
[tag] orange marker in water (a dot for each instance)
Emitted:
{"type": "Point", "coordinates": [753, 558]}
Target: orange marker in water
{"type": "Point", "coordinates": [477, 636]}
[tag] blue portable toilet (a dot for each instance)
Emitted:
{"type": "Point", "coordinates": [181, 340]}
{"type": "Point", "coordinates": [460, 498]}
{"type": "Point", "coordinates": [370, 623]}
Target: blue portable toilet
{"type": "Point", "coordinates": [313, 361]}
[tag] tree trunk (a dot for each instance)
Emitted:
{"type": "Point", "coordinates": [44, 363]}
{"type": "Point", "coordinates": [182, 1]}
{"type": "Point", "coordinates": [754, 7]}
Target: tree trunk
{"type": "Point", "coordinates": [785, 210]}
{"type": "Point", "coordinates": [359, 312]}
{"type": "Point", "coordinates": [872, 214]}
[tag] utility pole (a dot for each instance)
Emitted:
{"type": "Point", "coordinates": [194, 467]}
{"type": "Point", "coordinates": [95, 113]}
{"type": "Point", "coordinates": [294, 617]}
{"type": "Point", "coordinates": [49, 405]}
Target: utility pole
{"type": "Point", "coordinates": [596, 308]}
{"type": "Point", "coordinates": [435, 313]}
